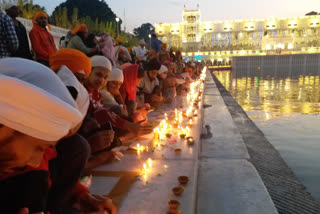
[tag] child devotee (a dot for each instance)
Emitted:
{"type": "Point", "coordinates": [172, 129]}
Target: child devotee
{"type": "Point", "coordinates": [149, 83]}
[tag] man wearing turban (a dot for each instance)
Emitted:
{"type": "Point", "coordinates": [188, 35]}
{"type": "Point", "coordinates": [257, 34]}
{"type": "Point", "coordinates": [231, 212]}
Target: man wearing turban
{"type": "Point", "coordinates": [42, 41]}
{"type": "Point", "coordinates": [75, 60]}
{"type": "Point", "coordinates": [80, 34]}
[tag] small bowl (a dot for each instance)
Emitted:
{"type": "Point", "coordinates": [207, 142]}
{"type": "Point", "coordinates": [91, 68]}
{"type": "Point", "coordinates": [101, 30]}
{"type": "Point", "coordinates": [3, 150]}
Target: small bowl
{"type": "Point", "coordinates": [177, 151]}
{"type": "Point", "coordinates": [168, 135]}
{"type": "Point", "coordinates": [177, 191]}
{"type": "Point", "coordinates": [173, 204]}
{"type": "Point", "coordinates": [190, 140]}
{"type": "Point", "coordinates": [183, 180]}
{"type": "Point", "coordinates": [172, 211]}
{"type": "Point", "coordinates": [182, 136]}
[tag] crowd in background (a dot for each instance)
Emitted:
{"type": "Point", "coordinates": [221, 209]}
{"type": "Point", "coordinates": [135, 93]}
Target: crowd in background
{"type": "Point", "coordinates": [64, 111]}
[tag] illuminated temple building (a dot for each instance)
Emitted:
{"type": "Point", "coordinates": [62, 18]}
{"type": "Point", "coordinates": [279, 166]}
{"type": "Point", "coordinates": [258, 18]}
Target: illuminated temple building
{"type": "Point", "coordinates": [220, 40]}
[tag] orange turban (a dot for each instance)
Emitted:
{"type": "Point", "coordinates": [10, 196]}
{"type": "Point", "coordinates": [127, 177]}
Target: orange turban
{"type": "Point", "coordinates": [163, 45]}
{"type": "Point", "coordinates": [75, 60]}
{"type": "Point", "coordinates": [80, 28]}
{"type": "Point", "coordinates": [40, 14]}
{"type": "Point", "coordinates": [118, 41]}
{"type": "Point", "coordinates": [121, 51]}
{"type": "Point", "coordinates": [152, 52]}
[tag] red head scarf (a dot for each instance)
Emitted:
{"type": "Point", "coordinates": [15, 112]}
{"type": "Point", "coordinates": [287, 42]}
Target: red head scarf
{"type": "Point", "coordinates": [128, 89]}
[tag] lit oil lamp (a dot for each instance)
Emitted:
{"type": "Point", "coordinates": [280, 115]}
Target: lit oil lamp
{"type": "Point", "coordinates": [190, 123]}
{"type": "Point", "coordinates": [190, 140]}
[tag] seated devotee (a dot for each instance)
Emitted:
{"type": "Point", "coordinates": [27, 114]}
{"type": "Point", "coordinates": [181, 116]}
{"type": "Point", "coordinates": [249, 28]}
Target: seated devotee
{"type": "Point", "coordinates": [118, 47]}
{"type": "Point", "coordinates": [77, 41]}
{"type": "Point", "coordinates": [163, 54]}
{"type": "Point", "coordinates": [141, 51]}
{"type": "Point", "coordinates": [149, 82]}
{"type": "Point", "coordinates": [42, 41]}
{"type": "Point", "coordinates": [80, 66]}
{"type": "Point", "coordinates": [9, 41]}
{"type": "Point", "coordinates": [111, 91]}
{"type": "Point", "coordinates": [31, 124]}
{"type": "Point", "coordinates": [107, 47]}
{"type": "Point", "coordinates": [121, 57]}
{"type": "Point", "coordinates": [24, 50]}
{"type": "Point", "coordinates": [101, 68]}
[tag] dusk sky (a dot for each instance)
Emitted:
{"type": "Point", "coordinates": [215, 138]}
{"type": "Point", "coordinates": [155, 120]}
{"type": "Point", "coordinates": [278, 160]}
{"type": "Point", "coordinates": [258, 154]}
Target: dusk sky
{"type": "Point", "coordinates": [168, 11]}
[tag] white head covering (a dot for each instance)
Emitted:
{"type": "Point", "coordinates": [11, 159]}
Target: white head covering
{"type": "Point", "coordinates": [69, 79]}
{"type": "Point", "coordinates": [162, 69]}
{"type": "Point", "coordinates": [9, 5]}
{"type": "Point", "coordinates": [192, 64]}
{"type": "Point", "coordinates": [142, 42]}
{"type": "Point", "coordinates": [116, 75]}
{"type": "Point", "coordinates": [101, 61]}
{"type": "Point", "coordinates": [34, 101]}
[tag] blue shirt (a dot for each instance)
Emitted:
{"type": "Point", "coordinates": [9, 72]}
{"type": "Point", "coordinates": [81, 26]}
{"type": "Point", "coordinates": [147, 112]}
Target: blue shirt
{"type": "Point", "coordinates": [9, 42]}
{"type": "Point", "coordinates": [155, 45]}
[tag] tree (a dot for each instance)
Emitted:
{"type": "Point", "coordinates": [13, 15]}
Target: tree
{"type": "Point", "coordinates": [143, 32]}
{"type": "Point", "coordinates": [95, 9]}
{"type": "Point", "coordinates": [28, 9]}
{"type": "Point", "coordinates": [312, 13]}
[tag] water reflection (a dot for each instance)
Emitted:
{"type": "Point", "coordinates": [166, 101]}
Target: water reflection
{"type": "Point", "coordinates": [277, 96]}
{"type": "Point", "coordinates": [287, 110]}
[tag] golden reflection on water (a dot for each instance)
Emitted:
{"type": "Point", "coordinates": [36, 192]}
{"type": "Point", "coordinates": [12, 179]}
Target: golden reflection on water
{"type": "Point", "coordinates": [275, 96]}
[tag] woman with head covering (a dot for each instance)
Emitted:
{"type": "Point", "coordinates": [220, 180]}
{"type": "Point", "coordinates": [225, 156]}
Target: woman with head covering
{"type": "Point", "coordinates": [107, 49]}
{"type": "Point", "coordinates": [122, 54]}
{"type": "Point", "coordinates": [114, 83]}
{"type": "Point", "coordinates": [80, 34]}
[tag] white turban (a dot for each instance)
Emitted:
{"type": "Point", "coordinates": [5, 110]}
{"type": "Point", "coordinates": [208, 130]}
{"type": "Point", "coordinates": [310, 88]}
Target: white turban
{"type": "Point", "coordinates": [101, 61]}
{"type": "Point", "coordinates": [162, 69]}
{"type": "Point", "coordinates": [34, 101]}
{"type": "Point", "coordinates": [116, 75]}
{"type": "Point", "coordinates": [69, 79]}
{"type": "Point", "coordinates": [142, 42]}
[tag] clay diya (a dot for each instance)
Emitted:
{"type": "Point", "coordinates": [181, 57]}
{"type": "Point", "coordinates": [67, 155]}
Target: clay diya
{"type": "Point", "coordinates": [190, 140]}
{"type": "Point", "coordinates": [190, 125]}
{"type": "Point", "coordinates": [183, 180]}
{"type": "Point", "coordinates": [173, 204]}
{"type": "Point", "coordinates": [184, 114]}
{"type": "Point", "coordinates": [177, 191]}
{"type": "Point", "coordinates": [177, 151]}
{"type": "Point", "coordinates": [168, 135]}
{"type": "Point", "coordinates": [182, 136]}
{"type": "Point", "coordinates": [172, 211]}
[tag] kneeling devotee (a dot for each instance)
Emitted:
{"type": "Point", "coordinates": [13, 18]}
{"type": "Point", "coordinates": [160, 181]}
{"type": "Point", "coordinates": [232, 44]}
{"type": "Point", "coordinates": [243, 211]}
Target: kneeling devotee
{"type": "Point", "coordinates": [31, 124]}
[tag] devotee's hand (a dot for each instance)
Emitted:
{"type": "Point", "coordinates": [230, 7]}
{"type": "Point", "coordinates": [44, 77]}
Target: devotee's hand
{"type": "Point", "coordinates": [156, 98]}
{"type": "Point", "coordinates": [89, 124]}
{"type": "Point", "coordinates": [101, 140]}
{"type": "Point", "coordinates": [24, 211]}
{"type": "Point", "coordinates": [96, 203]}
